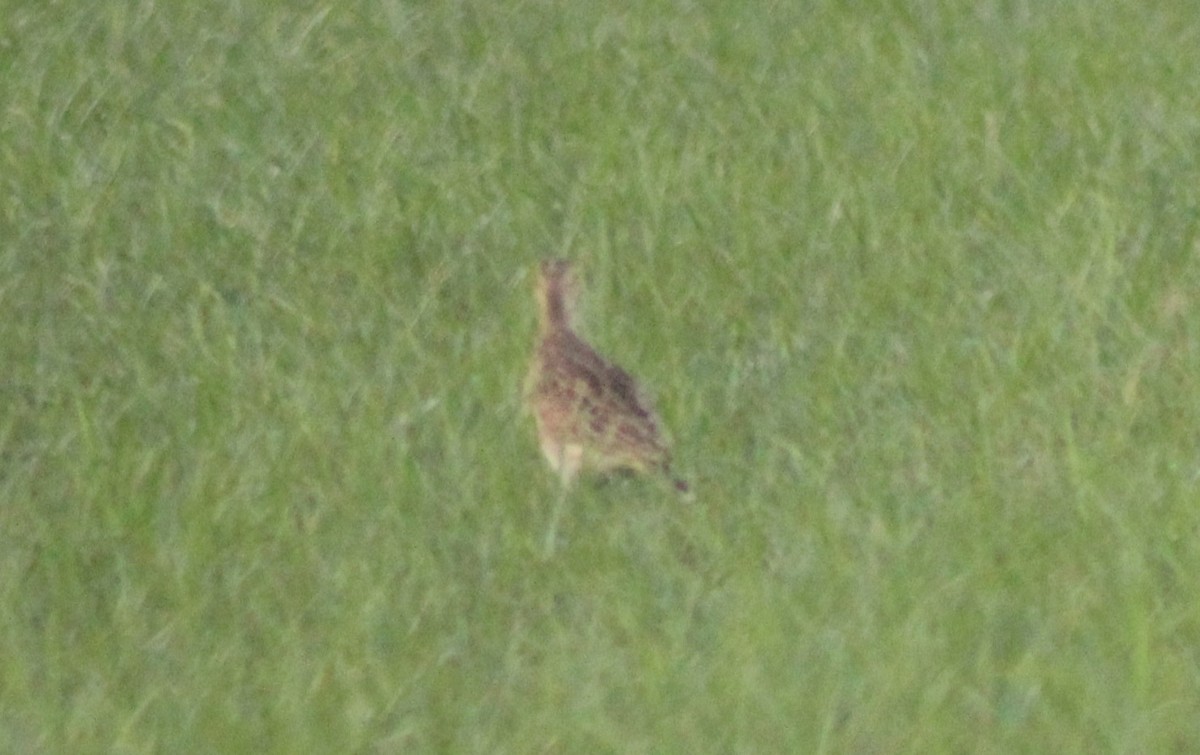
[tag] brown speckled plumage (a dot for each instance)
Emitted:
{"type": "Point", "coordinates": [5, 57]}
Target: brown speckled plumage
{"type": "Point", "coordinates": [590, 413]}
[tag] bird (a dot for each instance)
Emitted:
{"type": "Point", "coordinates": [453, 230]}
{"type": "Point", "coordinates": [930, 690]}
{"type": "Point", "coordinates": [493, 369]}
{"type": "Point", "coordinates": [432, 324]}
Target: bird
{"type": "Point", "coordinates": [591, 414]}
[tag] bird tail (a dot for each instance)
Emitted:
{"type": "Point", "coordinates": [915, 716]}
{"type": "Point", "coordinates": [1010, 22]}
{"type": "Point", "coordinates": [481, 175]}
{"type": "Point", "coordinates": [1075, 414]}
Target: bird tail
{"type": "Point", "coordinates": [681, 485]}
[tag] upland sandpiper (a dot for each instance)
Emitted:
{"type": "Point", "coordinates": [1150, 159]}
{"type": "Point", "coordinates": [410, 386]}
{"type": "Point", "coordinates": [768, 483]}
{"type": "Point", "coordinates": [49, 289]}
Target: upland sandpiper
{"type": "Point", "coordinates": [590, 413]}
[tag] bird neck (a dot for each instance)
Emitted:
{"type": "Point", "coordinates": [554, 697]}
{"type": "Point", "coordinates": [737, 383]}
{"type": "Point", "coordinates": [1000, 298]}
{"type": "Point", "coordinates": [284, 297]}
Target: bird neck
{"type": "Point", "coordinates": [557, 311]}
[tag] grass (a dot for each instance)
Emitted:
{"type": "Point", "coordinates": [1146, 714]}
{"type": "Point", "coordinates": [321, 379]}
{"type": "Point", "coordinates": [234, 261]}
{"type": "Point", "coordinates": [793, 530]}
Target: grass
{"type": "Point", "coordinates": [916, 288]}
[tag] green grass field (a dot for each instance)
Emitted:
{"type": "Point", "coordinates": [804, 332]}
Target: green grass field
{"type": "Point", "coordinates": [917, 287]}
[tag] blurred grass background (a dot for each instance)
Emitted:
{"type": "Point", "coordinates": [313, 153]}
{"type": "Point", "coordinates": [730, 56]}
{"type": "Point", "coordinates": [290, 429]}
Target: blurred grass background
{"type": "Point", "coordinates": [915, 286]}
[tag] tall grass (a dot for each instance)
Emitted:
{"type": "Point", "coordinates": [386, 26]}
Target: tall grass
{"type": "Point", "coordinates": [915, 288]}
